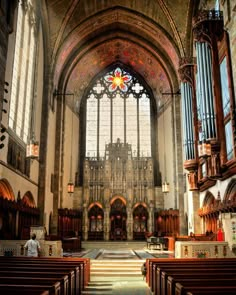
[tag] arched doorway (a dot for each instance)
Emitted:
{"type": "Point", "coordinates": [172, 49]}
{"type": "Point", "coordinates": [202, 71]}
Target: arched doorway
{"type": "Point", "coordinates": [118, 216]}
{"type": "Point", "coordinates": [211, 216]}
{"type": "Point", "coordinates": [140, 217]}
{"type": "Point", "coordinates": [96, 218]}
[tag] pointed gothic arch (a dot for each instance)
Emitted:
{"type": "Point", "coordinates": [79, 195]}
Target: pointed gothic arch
{"type": "Point", "coordinates": [118, 217]}
{"type": "Point", "coordinates": [96, 221]}
{"type": "Point", "coordinates": [140, 220]}
{"type": "Point", "coordinates": [209, 199]}
{"type": "Point", "coordinates": [6, 191]}
{"type": "Point", "coordinates": [28, 200]}
{"type": "Point", "coordinates": [230, 192]}
{"type": "Point", "coordinates": [210, 219]}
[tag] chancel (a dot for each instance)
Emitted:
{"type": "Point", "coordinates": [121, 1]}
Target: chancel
{"type": "Point", "coordinates": [117, 137]}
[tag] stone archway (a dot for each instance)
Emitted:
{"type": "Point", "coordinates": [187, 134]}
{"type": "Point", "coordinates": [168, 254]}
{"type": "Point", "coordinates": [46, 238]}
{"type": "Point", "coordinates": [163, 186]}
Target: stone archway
{"type": "Point", "coordinates": [118, 218]}
{"type": "Point", "coordinates": [96, 222]}
{"type": "Point", "coordinates": [28, 200]}
{"type": "Point", "coordinates": [210, 220]}
{"type": "Point", "coordinates": [6, 191]}
{"type": "Point", "coordinates": [140, 220]}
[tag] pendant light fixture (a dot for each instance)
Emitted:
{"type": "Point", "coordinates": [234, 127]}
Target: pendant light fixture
{"type": "Point", "coordinates": [165, 184]}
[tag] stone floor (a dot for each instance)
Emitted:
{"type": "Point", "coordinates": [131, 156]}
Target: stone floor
{"type": "Point", "coordinates": [129, 287]}
{"type": "Point", "coordinates": [116, 267]}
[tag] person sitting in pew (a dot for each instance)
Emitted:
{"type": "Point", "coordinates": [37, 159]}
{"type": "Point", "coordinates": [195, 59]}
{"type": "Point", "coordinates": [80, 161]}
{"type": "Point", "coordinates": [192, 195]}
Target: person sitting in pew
{"type": "Point", "coordinates": [144, 270]}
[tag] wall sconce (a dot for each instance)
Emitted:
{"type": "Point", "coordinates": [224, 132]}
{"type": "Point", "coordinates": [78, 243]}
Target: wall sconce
{"type": "Point", "coordinates": [32, 149]}
{"type": "Point", "coordinates": [165, 187]}
{"type": "Point", "coordinates": [165, 184]}
{"type": "Point", "coordinates": [70, 187]}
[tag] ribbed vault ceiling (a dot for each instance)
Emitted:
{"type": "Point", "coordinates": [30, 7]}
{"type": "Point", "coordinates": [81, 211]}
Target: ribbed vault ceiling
{"type": "Point", "coordinates": [149, 36]}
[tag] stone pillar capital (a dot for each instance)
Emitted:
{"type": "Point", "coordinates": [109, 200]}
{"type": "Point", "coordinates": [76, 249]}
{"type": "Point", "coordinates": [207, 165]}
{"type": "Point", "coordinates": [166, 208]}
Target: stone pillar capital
{"type": "Point", "coordinates": [186, 69]}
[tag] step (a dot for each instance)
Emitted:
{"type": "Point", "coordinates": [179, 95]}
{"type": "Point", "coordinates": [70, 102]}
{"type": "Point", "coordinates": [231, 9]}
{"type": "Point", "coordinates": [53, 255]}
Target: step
{"type": "Point", "coordinates": [98, 288]}
{"type": "Point", "coordinates": [98, 283]}
{"type": "Point", "coordinates": [116, 278]}
{"type": "Point", "coordinates": [116, 273]}
{"type": "Point", "coordinates": [116, 269]}
{"type": "Point", "coordinates": [96, 292]}
{"type": "Point", "coordinates": [117, 262]}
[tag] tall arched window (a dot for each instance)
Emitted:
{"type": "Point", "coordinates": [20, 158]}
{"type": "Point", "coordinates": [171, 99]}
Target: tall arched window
{"type": "Point", "coordinates": [23, 70]}
{"type": "Point", "coordinates": [226, 108]}
{"type": "Point", "coordinates": [118, 107]}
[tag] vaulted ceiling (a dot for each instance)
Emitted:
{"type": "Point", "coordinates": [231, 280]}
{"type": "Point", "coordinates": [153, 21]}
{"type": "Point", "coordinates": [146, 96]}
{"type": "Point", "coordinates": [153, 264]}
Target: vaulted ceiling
{"type": "Point", "coordinates": [148, 36]}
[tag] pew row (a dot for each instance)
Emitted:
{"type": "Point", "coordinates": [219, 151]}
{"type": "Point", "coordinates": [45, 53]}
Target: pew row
{"type": "Point", "coordinates": [159, 270]}
{"type": "Point", "coordinates": [76, 270]}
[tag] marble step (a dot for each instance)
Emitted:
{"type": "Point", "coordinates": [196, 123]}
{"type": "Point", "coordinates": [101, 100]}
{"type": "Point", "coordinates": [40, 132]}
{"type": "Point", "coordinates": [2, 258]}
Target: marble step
{"type": "Point", "coordinates": [116, 269]}
{"type": "Point", "coordinates": [116, 273]}
{"type": "Point", "coordinates": [97, 287]}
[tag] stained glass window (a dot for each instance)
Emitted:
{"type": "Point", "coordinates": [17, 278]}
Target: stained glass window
{"type": "Point", "coordinates": [118, 106]}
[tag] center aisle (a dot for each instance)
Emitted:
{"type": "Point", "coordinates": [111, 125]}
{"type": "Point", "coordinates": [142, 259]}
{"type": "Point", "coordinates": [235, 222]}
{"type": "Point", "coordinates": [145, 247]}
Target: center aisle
{"type": "Point", "coordinates": [117, 277]}
{"type": "Point", "coordinates": [116, 266]}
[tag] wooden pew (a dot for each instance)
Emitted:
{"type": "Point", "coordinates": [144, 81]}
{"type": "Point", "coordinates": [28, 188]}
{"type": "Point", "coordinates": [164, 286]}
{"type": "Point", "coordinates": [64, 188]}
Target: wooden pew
{"type": "Point", "coordinates": [19, 290]}
{"type": "Point", "coordinates": [194, 290]}
{"type": "Point", "coordinates": [58, 274]}
{"type": "Point", "coordinates": [80, 265]}
{"type": "Point", "coordinates": [52, 289]}
{"type": "Point", "coordinates": [198, 282]}
{"type": "Point", "coordinates": [194, 270]}
{"type": "Point", "coordinates": [211, 291]}
{"type": "Point", "coordinates": [74, 288]}
{"type": "Point", "coordinates": [169, 288]}
{"type": "Point", "coordinates": [156, 266]}
{"type": "Point", "coordinates": [38, 277]}
{"type": "Point", "coordinates": [57, 285]}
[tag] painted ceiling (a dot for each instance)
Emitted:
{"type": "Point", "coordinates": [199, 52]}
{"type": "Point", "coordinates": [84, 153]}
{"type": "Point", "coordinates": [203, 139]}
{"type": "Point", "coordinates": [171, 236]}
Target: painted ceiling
{"type": "Point", "coordinates": [148, 36]}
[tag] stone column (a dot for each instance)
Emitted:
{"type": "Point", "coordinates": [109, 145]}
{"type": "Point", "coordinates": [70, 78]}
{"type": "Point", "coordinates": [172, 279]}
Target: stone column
{"type": "Point", "coordinates": [85, 222]}
{"type": "Point", "coordinates": [196, 217]}
{"type": "Point", "coordinates": [106, 221]}
{"type": "Point", "coordinates": [150, 223]}
{"type": "Point", "coordinates": [129, 223]}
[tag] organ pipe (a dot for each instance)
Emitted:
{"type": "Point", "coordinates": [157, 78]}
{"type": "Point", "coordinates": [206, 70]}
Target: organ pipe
{"type": "Point", "coordinates": [204, 62]}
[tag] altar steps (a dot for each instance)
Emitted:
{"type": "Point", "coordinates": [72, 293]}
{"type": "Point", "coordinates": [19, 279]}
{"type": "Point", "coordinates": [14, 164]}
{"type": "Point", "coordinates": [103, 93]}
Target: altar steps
{"type": "Point", "coordinates": [116, 277]}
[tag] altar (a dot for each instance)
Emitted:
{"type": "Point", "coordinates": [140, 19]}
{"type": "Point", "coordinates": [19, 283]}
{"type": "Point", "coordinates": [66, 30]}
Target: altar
{"type": "Point", "coordinates": [202, 249]}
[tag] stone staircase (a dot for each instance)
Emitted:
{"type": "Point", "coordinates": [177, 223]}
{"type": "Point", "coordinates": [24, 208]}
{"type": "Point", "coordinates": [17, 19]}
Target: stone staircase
{"type": "Point", "coordinates": [111, 276]}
